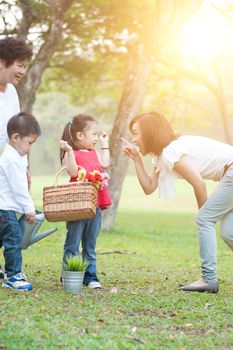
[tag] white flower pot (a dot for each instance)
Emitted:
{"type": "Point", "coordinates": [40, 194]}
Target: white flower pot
{"type": "Point", "coordinates": [73, 281]}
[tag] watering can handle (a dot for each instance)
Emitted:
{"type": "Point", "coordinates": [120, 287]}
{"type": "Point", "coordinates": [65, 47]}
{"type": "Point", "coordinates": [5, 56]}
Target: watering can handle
{"type": "Point", "coordinates": [62, 169]}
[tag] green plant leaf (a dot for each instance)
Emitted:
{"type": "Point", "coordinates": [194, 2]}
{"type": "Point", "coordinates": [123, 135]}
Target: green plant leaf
{"type": "Point", "coordinates": [74, 263]}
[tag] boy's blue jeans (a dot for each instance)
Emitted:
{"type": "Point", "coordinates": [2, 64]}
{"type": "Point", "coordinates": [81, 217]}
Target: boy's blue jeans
{"type": "Point", "coordinates": [218, 207]}
{"type": "Point", "coordinates": [11, 238]}
{"type": "Point", "coordinates": [87, 232]}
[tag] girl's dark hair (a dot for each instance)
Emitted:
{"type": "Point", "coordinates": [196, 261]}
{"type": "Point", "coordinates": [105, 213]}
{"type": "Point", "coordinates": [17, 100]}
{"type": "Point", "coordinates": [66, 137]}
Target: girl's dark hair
{"type": "Point", "coordinates": [77, 124]}
{"type": "Point", "coordinates": [24, 124]}
{"type": "Point", "coordinates": [156, 131]}
{"type": "Point", "coordinates": [12, 49]}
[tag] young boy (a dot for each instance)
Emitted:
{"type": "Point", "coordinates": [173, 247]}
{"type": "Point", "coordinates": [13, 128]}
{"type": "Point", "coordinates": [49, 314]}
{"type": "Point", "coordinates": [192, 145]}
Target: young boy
{"type": "Point", "coordinates": [23, 130]}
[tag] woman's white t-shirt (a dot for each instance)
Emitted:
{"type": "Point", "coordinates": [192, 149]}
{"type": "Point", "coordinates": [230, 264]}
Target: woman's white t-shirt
{"type": "Point", "coordinates": [9, 106]}
{"type": "Point", "coordinates": [208, 157]}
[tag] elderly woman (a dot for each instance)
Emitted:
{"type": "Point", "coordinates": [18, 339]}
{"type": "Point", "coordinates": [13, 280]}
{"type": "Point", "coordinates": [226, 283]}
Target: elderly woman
{"type": "Point", "coordinates": [14, 56]}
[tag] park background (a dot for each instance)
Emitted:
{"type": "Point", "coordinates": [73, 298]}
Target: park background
{"type": "Point", "coordinates": [114, 59]}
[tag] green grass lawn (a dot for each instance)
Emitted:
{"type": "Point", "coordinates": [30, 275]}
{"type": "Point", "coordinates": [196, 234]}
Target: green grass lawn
{"type": "Point", "coordinates": [158, 245]}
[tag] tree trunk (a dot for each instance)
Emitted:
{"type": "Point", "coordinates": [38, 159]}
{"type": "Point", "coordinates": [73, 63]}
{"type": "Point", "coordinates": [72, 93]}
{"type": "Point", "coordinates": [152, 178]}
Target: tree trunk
{"type": "Point", "coordinates": [129, 106]}
{"type": "Point", "coordinates": [29, 85]}
{"type": "Point", "coordinates": [28, 15]}
{"type": "Point", "coordinates": [167, 17]}
{"type": "Point", "coordinates": [227, 125]}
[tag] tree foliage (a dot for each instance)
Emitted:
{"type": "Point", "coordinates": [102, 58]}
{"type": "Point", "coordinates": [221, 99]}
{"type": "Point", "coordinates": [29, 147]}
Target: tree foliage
{"type": "Point", "coordinates": [87, 46]}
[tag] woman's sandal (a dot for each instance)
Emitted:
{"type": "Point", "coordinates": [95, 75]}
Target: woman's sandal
{"type": "Point", "coordinates": [202, 287]}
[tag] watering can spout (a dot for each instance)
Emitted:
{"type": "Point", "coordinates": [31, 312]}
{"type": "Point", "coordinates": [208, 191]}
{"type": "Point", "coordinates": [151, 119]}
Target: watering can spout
{"type": "Point", "coordinates": [30, 235]}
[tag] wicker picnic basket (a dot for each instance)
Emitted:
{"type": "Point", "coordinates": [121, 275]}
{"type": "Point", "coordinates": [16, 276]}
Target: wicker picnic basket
{"type": "Point", "coordinates": [69, 202]}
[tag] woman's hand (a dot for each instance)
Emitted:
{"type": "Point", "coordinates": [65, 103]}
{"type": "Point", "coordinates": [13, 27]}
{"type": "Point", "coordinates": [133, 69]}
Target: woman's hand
{"type": "Point", "coordinates": [104, 139]}
{"type": "Point", "coordinates": [65, 146]}
{"type": "Point", "coordinates": [149, 183]}
{"type": "Point", "coordinates": [129, 149]}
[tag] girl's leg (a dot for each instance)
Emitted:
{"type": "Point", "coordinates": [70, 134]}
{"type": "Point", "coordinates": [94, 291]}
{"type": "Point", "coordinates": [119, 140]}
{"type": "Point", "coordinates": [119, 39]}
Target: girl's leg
{"type": "Point", "coordinates": [226, 230]}
{"type": "Point", "coordinates": [89, 246]}
{"type": "Point", "coordinates": [216, 207]}
{"type": "Point", "coordinates": [73, 237]}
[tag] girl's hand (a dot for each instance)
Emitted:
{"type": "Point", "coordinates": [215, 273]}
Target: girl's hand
{"type": "Point", "coordinates": [129, 149]}
{"type": "Point", "coordinates": [65, 146]}
{"type": "Point", "coordinates": [104, 139]}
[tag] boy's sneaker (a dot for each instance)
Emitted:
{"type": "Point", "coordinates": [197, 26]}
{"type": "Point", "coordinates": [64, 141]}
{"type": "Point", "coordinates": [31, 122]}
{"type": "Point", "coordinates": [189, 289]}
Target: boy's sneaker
{"type": "Point", "coordinates": [2, 273]}
{"type": "Point", "coordinates": [94, 285]}
{"type": "Point", "coordinates": [17, 282]}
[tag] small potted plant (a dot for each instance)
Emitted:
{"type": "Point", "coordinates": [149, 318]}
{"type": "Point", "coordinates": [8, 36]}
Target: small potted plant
{"type": "Point", "coordinates": [73, 273]}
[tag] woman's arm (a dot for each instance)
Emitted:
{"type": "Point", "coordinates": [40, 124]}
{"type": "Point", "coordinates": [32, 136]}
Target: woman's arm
{"type": "Point", "coordinates": [149, 183]}
{"type": "Point", "coordinates": [185, 169]}
{"type": "Point", "coordinates": [69, 159]}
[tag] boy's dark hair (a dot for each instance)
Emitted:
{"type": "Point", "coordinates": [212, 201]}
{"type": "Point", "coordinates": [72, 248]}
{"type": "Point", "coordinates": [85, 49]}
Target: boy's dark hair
{"type": "Point", "coordinates": [24, 124]}
{"type": "Point", "coordinates": [12, 49]}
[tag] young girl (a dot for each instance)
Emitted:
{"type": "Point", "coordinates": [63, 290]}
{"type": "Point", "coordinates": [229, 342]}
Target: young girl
{"type": "Point", "coordinates": [194, 159]}
{"type": "Point", "coordinates": [78, 143]}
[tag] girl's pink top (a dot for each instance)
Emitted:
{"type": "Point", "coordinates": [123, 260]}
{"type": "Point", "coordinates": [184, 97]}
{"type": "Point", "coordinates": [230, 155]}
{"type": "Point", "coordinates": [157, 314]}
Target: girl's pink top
{"type": "Point", "coordinates": [90, 162]}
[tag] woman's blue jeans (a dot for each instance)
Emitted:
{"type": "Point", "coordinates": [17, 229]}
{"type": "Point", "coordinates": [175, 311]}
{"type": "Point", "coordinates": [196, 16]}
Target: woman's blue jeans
{"type": "Point", "coordinates": [11, 238]}
{"type": "Point", "coordinates": [85, 231]}
{"type": "Point", "coordinates": [218, 207]}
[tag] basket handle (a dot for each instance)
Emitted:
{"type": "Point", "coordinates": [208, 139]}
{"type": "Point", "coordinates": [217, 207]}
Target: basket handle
{"type": "Point", "coordinates": [61, 170]}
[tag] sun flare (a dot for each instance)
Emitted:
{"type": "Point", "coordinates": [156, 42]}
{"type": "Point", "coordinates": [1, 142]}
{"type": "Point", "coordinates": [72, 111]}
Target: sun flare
{"type": "Point", "coordinates": [205, 36]}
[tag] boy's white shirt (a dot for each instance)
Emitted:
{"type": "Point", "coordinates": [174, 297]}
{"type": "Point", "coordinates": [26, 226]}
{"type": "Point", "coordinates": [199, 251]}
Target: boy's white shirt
{"type": "Point", "coordinates": [9, 106]}
{"type": "Point", "coordinates": [208, 156]}
{"type": "Point", "coordinates": [14, 193]}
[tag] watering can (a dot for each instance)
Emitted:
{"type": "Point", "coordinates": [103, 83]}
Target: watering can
{"type": "Point", "coordinates": [30, 235]}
